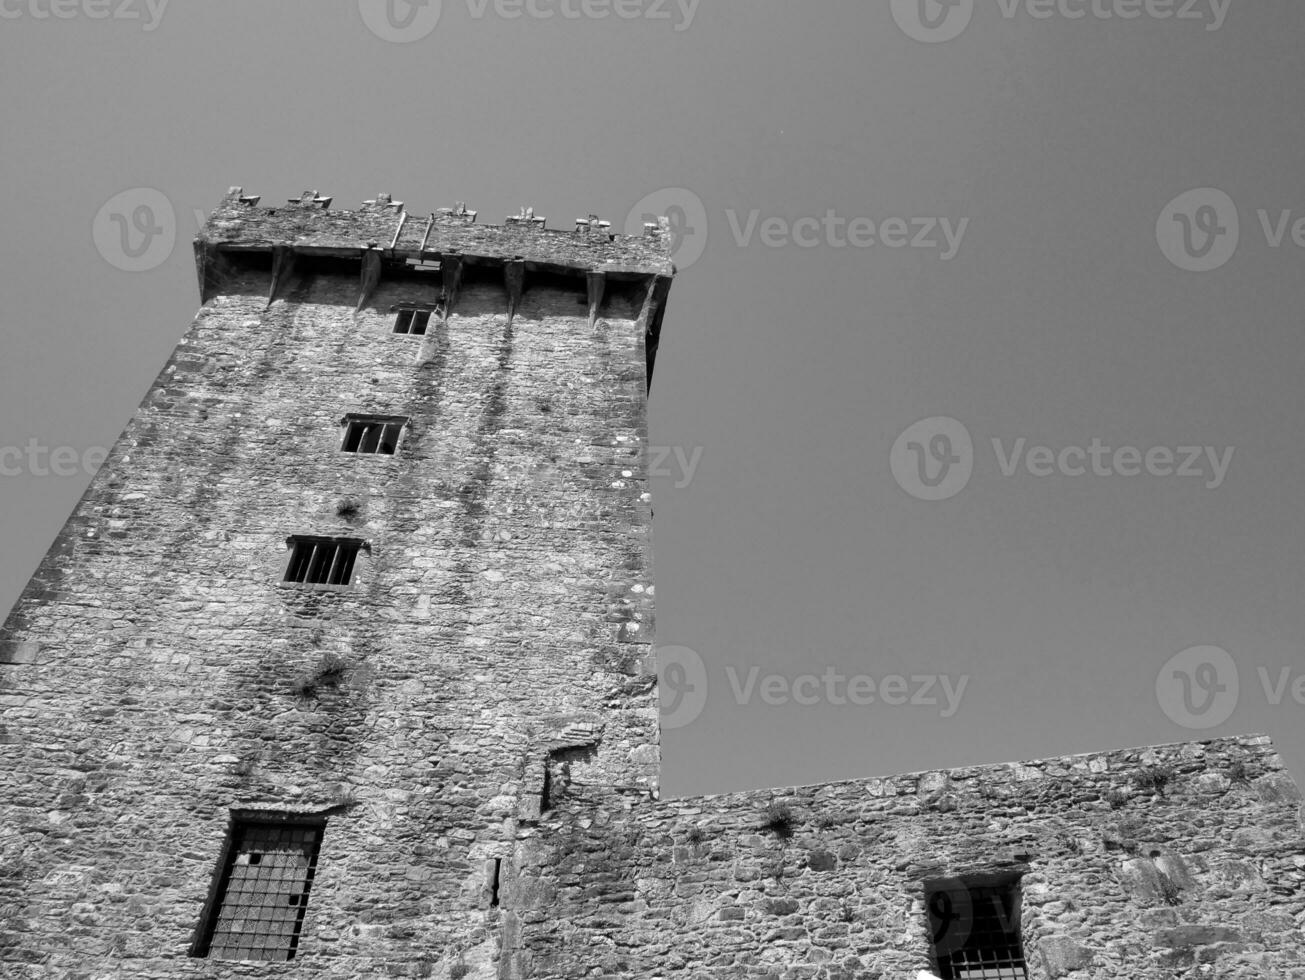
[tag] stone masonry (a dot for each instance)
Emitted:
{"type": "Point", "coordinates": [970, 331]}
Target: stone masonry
{"type": "Point", "coordinates": [472, 720]}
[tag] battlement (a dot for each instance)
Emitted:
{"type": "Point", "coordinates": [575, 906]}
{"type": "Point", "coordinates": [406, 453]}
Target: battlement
{"type": "Point", "coordinates": [385, 240]}
{"type": "Point", "coordinates": [309, 226]}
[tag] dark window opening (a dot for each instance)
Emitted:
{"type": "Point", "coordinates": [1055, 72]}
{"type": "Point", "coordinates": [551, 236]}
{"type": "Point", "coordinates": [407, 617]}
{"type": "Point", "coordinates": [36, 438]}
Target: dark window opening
{"type": "Point", "coordinates": [412, 321]}
{"type": "Point", "coordinates": [257, 912]}
{"type": "Point", "coordinates": [493, 888]}
{"type": "Point", "coordinates": [630, 291]}
{"type": "Point", "coordinates": [322, 561]}
{"type": "Point", "coordinates": [569, 281]}
{"type": "Point", "coordinates": [372, 434]}
{"type": "Point", "coordinates": [975, 928]}
{"type": "Point", "coordinates": [309, 265]}
{"type": "Point", "coordinates": [546, 791]}
{"type": "Point", "coordinates": [244, 261]}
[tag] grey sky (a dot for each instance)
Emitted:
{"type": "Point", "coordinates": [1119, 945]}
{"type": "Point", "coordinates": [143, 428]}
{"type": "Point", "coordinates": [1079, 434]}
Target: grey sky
{"type": "Point", "coordinates": [794, 361]}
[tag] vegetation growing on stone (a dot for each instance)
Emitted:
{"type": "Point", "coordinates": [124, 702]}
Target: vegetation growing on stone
{"type": "Point", "coordinates": [778, 819]}
{"type": "Point", "coordinates": [1154, 779]}
{"type": "Point", "coordinates": [330, 672]}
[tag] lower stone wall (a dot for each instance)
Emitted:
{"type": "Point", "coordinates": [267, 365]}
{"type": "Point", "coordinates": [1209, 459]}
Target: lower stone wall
{"type": "Point", "coordinates": [1150, 864]}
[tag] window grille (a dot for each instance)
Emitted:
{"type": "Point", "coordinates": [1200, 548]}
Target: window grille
{"type": "Point", "coordinates": [975, 928]}
{"type": "Point", "coordinates": [372, 434]}
{"type": "Point", "coordinates": [321, 561]}
{"type": "Point", "coordinates": [262, 893]}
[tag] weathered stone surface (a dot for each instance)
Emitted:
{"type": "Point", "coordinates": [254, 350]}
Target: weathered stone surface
{"type": "Point", "coordinates": [1183, 937]}
{"type": "Point", "coordinates": [1089, 908]}
{"type": "Point", "coordinates": [308, 227]}
{"type": "Point", "coordinates": [1061, 956]}
{"type": "Point", "coordinates": [154, 678]}
{"type": "Point", "coordinates": [484, 745]}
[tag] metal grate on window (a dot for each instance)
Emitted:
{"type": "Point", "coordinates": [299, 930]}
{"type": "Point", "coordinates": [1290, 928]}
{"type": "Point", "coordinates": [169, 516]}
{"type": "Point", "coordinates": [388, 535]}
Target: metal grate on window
{"type": "Point", "coordinates": [321, 561]}
{"type": "Point", "coordinates": [975, 928]}
{"type": "Point", "coordinates": [411, 320]}
{"type": "Point", "coordinates": [372, 434]}
{"type": "Point", "coordinates": [262, 894]}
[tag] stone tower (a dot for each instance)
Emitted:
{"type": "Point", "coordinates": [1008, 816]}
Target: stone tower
{"type": "Point", "coordinates": [341, 669]}
{"type": "Point", "coordinates": [368, 566]}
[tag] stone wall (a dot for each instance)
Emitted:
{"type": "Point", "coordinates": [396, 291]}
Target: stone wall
{"type": "Point", "coordinates": [475, 716]}
{"type": "Point", "coordinates": [158, 674]}
{"type": "Point", "coordinates": [238, 223]}
{"type": "Point", "coordinates": [1151, 864]}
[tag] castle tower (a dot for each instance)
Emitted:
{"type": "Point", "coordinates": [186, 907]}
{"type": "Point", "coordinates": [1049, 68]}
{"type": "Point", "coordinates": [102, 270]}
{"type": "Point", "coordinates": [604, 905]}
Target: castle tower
{"type": "Point", "coordinates": [342, 669]}
{"type": "Point", "coordinates": [362, 588]}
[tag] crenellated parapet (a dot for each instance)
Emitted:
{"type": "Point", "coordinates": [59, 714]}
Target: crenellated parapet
{"type": "Point", "coordinates": [384, 238]}
{"type": "Point", "coordinates": [308, 225]}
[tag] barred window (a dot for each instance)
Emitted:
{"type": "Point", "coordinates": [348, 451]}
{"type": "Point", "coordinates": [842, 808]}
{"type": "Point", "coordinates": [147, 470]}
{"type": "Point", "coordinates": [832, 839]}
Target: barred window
{"type": "Point", "coordinates": [321, 561]}
{"type": "Point", "coordinates": [267, 871]}
{"type": "Point", "coordinates": [372, 434]}
{"type": "Point", "coordinates": [975, 927]}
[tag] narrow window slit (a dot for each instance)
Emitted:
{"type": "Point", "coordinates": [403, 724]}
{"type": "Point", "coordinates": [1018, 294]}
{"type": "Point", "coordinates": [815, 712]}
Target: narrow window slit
{"type": "Point", "coordinates": [546, 790]}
